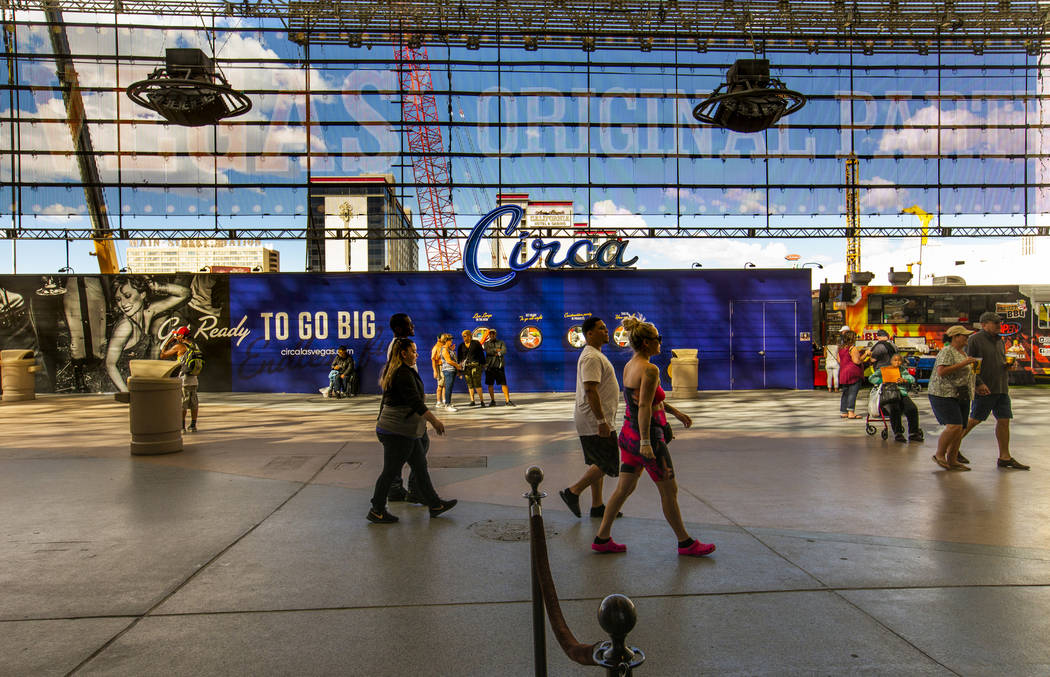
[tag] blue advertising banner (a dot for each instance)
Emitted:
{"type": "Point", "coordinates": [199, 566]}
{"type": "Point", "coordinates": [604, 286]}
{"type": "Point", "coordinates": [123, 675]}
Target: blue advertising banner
{"type": "Point", "coordinates": [285, 328]}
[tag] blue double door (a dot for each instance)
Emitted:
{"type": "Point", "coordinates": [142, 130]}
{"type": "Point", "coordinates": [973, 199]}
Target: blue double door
{"type": "Point", "coordinates": [763, 345]}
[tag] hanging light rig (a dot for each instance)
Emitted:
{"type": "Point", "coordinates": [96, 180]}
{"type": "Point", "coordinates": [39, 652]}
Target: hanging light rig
{"type": "Point", "coordinates": [189, 90]}
{"type": "Point", "coordinates": [752, 100]}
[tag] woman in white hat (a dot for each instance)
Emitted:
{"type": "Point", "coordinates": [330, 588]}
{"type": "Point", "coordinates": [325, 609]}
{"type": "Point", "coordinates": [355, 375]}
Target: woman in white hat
{"type": "Point", "coordinates": [951, 389]}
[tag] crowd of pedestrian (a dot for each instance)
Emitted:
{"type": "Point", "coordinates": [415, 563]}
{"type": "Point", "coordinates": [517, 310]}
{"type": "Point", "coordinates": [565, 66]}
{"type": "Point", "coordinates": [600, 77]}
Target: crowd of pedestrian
{"type": "Point", "coordinates": [969, 381]}
{"type": "Point", "coordinates": [641, 445]}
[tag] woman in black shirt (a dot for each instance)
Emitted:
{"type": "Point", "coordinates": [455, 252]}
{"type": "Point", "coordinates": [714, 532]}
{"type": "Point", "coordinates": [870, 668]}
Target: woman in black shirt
{"type": "Point", "coordinates": [403, 417]}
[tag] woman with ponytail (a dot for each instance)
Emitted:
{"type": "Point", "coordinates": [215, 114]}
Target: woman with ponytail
{"type": "Point", "coordinates": [643, 443]}
{"type": "Point", "coordinates": [403, 417]}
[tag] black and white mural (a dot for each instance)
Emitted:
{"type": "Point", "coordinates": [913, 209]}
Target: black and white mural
{"type": "Point", "coordinates": [85, 329]}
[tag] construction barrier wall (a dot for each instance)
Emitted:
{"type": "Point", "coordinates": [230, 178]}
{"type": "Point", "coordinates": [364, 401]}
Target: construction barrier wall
{"type": "Point", "coordinates": [278, 332]}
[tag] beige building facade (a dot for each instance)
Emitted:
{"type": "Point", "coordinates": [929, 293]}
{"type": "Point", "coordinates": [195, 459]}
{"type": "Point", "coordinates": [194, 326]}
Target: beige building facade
{"type": "Point", "coordinates": [192, 256]}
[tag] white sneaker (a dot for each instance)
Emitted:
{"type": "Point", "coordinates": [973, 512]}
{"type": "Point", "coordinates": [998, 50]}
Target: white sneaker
{"type": "Point", "coordinates": [324, 392]}
{"type": "Point", "coordinates": [439, 405]}
{"type": "Point", "coordinates": [451, 408]}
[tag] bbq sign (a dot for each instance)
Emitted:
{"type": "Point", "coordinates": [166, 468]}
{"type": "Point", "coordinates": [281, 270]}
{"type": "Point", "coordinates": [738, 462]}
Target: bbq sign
{"type": "Point", "coordinates": [580, 254]}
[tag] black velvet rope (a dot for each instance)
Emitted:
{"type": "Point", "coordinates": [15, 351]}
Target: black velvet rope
{"type": "Point", "coordinates": [576, 651]}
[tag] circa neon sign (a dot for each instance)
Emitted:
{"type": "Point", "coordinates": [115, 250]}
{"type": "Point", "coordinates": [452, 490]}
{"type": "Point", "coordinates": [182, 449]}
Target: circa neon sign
{"type": "Point", "coordinates": [579, 254]}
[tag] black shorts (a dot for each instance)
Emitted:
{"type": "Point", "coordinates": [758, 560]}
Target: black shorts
{"type": "Point", "coordinates": [603, 452]}
{"type": "Point", "coordinates": [495, 375]}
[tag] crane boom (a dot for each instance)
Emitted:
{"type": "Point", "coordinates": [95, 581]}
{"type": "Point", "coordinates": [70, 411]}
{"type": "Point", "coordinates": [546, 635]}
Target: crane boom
{"type": "Point", "coordinates": [105, 250]}
{"type": "Point", "coordinates": [430, 166]}
{"type": "Point", "coordinates": [852, 218]}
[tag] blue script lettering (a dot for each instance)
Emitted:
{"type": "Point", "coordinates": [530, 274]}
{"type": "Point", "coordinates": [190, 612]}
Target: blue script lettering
{"type": "Point", "coordinates": [579, 254]}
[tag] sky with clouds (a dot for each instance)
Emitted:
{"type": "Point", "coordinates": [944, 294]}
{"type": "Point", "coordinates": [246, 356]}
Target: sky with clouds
{"type": "Point", "coordinates": [602, 131]}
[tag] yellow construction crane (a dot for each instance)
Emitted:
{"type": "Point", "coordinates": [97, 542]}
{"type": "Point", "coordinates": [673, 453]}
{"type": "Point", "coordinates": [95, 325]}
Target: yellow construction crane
{"type": "Point", "coordinates": [924, 218]}
{"type": "Point", "coordinates": [76, 116]}
{"type": "Point", "coordinates": [852, 218]}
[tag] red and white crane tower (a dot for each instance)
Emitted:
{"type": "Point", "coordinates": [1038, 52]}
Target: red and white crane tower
{"type": "Point", "coordinates": [430, 167]}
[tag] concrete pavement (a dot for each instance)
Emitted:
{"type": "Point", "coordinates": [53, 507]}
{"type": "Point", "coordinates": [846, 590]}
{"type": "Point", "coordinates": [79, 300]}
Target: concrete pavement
{"type": "Point", "coordinates": [248, 553]}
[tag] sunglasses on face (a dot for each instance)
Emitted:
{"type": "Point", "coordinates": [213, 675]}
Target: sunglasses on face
{"type": "Point", "coordinates": [657, 338]}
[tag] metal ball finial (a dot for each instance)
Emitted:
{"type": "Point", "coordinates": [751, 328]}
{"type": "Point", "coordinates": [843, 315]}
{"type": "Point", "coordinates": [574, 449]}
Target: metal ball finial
{"type": "Point", "coordinates": [534, 476]}
{"type": "Point", "coordinates": [617, 615]}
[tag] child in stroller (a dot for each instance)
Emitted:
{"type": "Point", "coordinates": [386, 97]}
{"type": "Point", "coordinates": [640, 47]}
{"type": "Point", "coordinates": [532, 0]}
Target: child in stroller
{"type": "Point", "coordinates": [895, 406]}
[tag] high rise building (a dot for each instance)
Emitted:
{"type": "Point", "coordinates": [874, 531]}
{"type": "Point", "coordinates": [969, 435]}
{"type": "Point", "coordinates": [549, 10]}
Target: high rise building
{"type": "Point", "coordinates": [343, 206]}
{"type": "Point", "coordinates": [192, 256]}
{"type": "Point", "coordinates": [539, 215]}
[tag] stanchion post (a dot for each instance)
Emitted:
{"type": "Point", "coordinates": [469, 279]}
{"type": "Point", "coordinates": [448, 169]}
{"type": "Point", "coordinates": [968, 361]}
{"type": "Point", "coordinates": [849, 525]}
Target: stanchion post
{"type": "Point", "coordinates": [539, 620]}
{"type": "Point", "coordinates": [617, 616]}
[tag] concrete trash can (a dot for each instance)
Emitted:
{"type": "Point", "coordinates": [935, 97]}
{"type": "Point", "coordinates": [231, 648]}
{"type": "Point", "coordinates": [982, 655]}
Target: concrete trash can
{"type": "Point", "coordinates": [17, 369]}
{"type": "Point", "coordinates": [155, 407]}
{"type": "Point", "coordinates": [684, 370]}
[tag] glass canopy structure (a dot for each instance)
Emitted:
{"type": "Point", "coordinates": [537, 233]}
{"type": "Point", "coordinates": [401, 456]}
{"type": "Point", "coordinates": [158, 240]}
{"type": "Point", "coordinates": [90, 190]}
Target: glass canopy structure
{"type": "Point", "coordinates": [942, 104]}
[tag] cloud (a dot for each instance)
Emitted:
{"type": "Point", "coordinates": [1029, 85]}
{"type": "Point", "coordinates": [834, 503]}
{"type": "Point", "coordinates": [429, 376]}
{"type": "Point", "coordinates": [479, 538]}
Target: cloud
{"type": "Point", "coordinates": [684, 195]}
{"type": "Point", "coordinates": [606, 214]}
{"type": "Point", "coordinates": [187, 153]}
{"type": "Point", "coordinates": [717, 253]}
{"type": "Point", "coordinates": [924, 140]}
{"type": "Point", "coordinates": [878, 199]}
{"type": "Point", "coordinates": [743, 200]}
{"type": "Point", "coordinates": [57, 209]}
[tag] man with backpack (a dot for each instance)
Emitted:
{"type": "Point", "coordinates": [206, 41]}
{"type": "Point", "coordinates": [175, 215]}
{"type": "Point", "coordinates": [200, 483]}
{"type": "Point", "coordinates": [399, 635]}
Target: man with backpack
{"type": "Point", "coordinates": [190, 357]}
{"type": "Point", "coordinates": [882, 352]}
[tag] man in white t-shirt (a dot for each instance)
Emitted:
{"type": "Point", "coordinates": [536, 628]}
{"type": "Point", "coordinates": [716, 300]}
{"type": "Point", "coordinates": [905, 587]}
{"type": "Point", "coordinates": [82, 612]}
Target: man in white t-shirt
{"type": "Point", "coordinates": [597, 401]}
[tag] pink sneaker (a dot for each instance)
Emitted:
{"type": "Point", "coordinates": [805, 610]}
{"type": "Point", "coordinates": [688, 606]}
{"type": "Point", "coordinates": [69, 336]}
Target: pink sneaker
{"type": "Point", "coordinates": [697, 549]}
{"type": "Point", "coordinates": [610, 546]}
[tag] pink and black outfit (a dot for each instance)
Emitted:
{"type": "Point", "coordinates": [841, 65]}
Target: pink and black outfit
{"type": "Point", "coordinates": [850, 378]}
{"type": "Point", "coordinates": [631, 460]}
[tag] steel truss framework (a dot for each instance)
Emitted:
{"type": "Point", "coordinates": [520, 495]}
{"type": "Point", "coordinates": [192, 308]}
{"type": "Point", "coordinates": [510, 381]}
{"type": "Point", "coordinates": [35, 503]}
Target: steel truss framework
{"type": "Point", "coordinates": [774, 25]}
{"type": "Point", "coordinates": [725, 25]}
{"type": "Point", "coordinates": [548, 233]}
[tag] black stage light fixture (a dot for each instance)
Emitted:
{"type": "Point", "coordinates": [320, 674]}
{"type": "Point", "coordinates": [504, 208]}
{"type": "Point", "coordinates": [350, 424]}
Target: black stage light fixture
{"type": "Point", "coordinates": [950, 22]}
{"type": "Point", "coordinates": [189, 90]}
{"type": "Point", "coordinates": [752, 100]}
{"type": "Point", "coordinates": [531, 43]}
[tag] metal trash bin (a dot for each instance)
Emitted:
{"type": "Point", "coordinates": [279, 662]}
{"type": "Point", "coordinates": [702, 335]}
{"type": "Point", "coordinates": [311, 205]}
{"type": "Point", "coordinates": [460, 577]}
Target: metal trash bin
{"type": "Point", "coordinates": [155, 407]}
{"type": "Point", "coordinates": [17, 369]}
{"type": "Point", "coordinates": [685, 373]}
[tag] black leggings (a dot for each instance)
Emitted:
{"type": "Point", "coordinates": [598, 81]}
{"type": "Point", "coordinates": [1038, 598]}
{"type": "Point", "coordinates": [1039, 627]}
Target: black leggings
{"type": "Point", "coordinates": [397, 451]}
{"type": "Point", "coordinates": [907, 407]}
{"type": "Point", "coordinates": [398, 484]}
